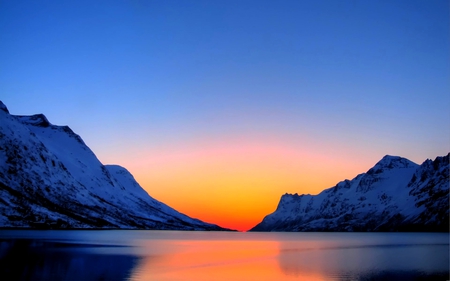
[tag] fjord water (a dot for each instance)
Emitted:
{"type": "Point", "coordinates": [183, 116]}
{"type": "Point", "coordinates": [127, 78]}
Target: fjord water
{"type": "Point", "coordinates": [177, 255]}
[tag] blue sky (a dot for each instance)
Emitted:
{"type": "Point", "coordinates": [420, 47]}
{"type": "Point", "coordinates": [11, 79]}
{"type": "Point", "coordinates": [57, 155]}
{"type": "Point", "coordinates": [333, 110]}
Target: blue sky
{"type": "Point", "coordinates": [328, 67]}
{"type": "Point", "coordinates": [360, 79]}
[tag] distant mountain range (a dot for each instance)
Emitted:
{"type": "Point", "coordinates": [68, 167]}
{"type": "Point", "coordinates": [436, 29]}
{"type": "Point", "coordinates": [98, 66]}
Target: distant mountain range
{"type": "Point", "coordinates": [395, 195]}
{"type": "Point", "coordinates": [49, 178]}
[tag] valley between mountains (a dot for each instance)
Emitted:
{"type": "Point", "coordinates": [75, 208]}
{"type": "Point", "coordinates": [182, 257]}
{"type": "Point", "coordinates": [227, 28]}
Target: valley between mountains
{"type": "Point", "coordinates": [49, 178]}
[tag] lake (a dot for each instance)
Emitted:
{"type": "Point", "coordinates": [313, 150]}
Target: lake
{"type": "Point", "coordinates": [137, 255]}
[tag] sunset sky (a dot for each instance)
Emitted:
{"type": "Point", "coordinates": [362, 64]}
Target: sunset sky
{"type": "Point", "coordinates": [220, 107]}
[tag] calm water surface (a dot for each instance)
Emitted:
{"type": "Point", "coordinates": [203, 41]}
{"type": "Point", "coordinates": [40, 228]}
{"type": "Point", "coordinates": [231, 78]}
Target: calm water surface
{"type": "Point", "coordinates": [176, 255]}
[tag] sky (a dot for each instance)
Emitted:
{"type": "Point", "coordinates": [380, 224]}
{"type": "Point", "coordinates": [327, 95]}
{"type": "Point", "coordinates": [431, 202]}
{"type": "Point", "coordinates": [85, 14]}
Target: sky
{"type": "Point", "coordinates": [220, 107]}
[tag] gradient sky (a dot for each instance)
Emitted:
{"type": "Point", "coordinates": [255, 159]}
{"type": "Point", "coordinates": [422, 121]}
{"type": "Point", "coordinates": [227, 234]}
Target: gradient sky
{"type": "Point", "coordinates": [220, 107]}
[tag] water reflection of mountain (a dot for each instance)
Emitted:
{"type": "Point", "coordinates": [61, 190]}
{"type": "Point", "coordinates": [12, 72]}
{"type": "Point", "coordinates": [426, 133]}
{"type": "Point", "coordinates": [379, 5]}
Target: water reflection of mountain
{"type": "Point", "coordinates": [24, 259]}
{"type": "Point", "coordinates": [204, 256]}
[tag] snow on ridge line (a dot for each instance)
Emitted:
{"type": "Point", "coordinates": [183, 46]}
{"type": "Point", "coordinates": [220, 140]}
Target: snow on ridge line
{"type": "Point", "coordinates": [39, 120]}
{"type": "Point", "coordinates": [50, 178]}
{"type": "Point", "coordinates": [403, 196]}
{"type": "Point", "coordinates": [3, 107]}
{"type": "Point", "coordinates": [386, 162]}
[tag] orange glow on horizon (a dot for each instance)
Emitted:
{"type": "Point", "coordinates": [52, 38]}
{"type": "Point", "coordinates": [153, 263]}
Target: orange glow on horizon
{"type": "Point", "coordinates": [234, 183]}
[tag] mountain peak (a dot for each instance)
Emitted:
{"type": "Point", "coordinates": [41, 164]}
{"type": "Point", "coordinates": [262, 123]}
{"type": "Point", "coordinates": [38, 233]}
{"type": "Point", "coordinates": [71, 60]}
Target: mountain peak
{"type": "Point", "coordinates": [3, 107]}
{"type": "Point", "coordinates": [36, 120]}
{"type": "Point", "coordinates": [390, 162]}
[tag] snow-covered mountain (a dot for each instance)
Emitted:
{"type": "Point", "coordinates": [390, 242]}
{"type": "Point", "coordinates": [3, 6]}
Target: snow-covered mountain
{"type": "Point", "coordinates": [395, 195]}
{"type": "Point", "coordinates": [50, 178]}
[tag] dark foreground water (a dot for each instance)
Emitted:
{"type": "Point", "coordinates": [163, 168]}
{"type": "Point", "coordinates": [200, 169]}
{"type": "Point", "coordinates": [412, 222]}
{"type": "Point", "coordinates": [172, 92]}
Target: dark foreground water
{"type": "Point", "coordinates": [175, 255]}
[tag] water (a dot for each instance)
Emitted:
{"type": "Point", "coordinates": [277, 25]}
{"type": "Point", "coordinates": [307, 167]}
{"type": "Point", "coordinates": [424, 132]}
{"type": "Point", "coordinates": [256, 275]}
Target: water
{"type": "Point", "coordinates": [176, 255]}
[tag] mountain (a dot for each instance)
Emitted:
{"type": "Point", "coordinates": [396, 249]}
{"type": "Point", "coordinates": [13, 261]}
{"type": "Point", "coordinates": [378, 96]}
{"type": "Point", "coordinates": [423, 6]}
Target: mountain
{"type": "Point", "coordinates": [49, 178]}
{"type": "Point", "coordinates": [395, 195]}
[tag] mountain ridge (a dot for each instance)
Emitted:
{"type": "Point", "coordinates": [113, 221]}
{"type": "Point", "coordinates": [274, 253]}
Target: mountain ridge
{"type": "Point", "coordinates": [396, 194]}
{"type": "Point", "coordinates": [49, 178]}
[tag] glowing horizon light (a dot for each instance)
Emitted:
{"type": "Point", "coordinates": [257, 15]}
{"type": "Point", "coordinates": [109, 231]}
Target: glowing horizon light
{"type": "Point", "coordinates": [234, 183]}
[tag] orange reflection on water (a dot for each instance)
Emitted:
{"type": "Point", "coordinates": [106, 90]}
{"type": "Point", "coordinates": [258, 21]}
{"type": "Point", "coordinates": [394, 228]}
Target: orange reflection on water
{"type": "Point", "coordinates": [216, 260]}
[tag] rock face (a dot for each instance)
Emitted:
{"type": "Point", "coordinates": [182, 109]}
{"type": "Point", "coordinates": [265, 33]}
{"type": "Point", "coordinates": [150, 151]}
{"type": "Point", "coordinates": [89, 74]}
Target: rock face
{"type": "Point", "coordinates": [395, 195]}
{"type": "Point", "coordinates": [49, 178]}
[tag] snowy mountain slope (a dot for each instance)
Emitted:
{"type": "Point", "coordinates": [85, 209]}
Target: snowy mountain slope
{"type": "Point", "coordinates": [430, 186]}
{"type": "Point", "coordinates": [50, 178]}
{"type": "Point", "coordinates": [395, 195]}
